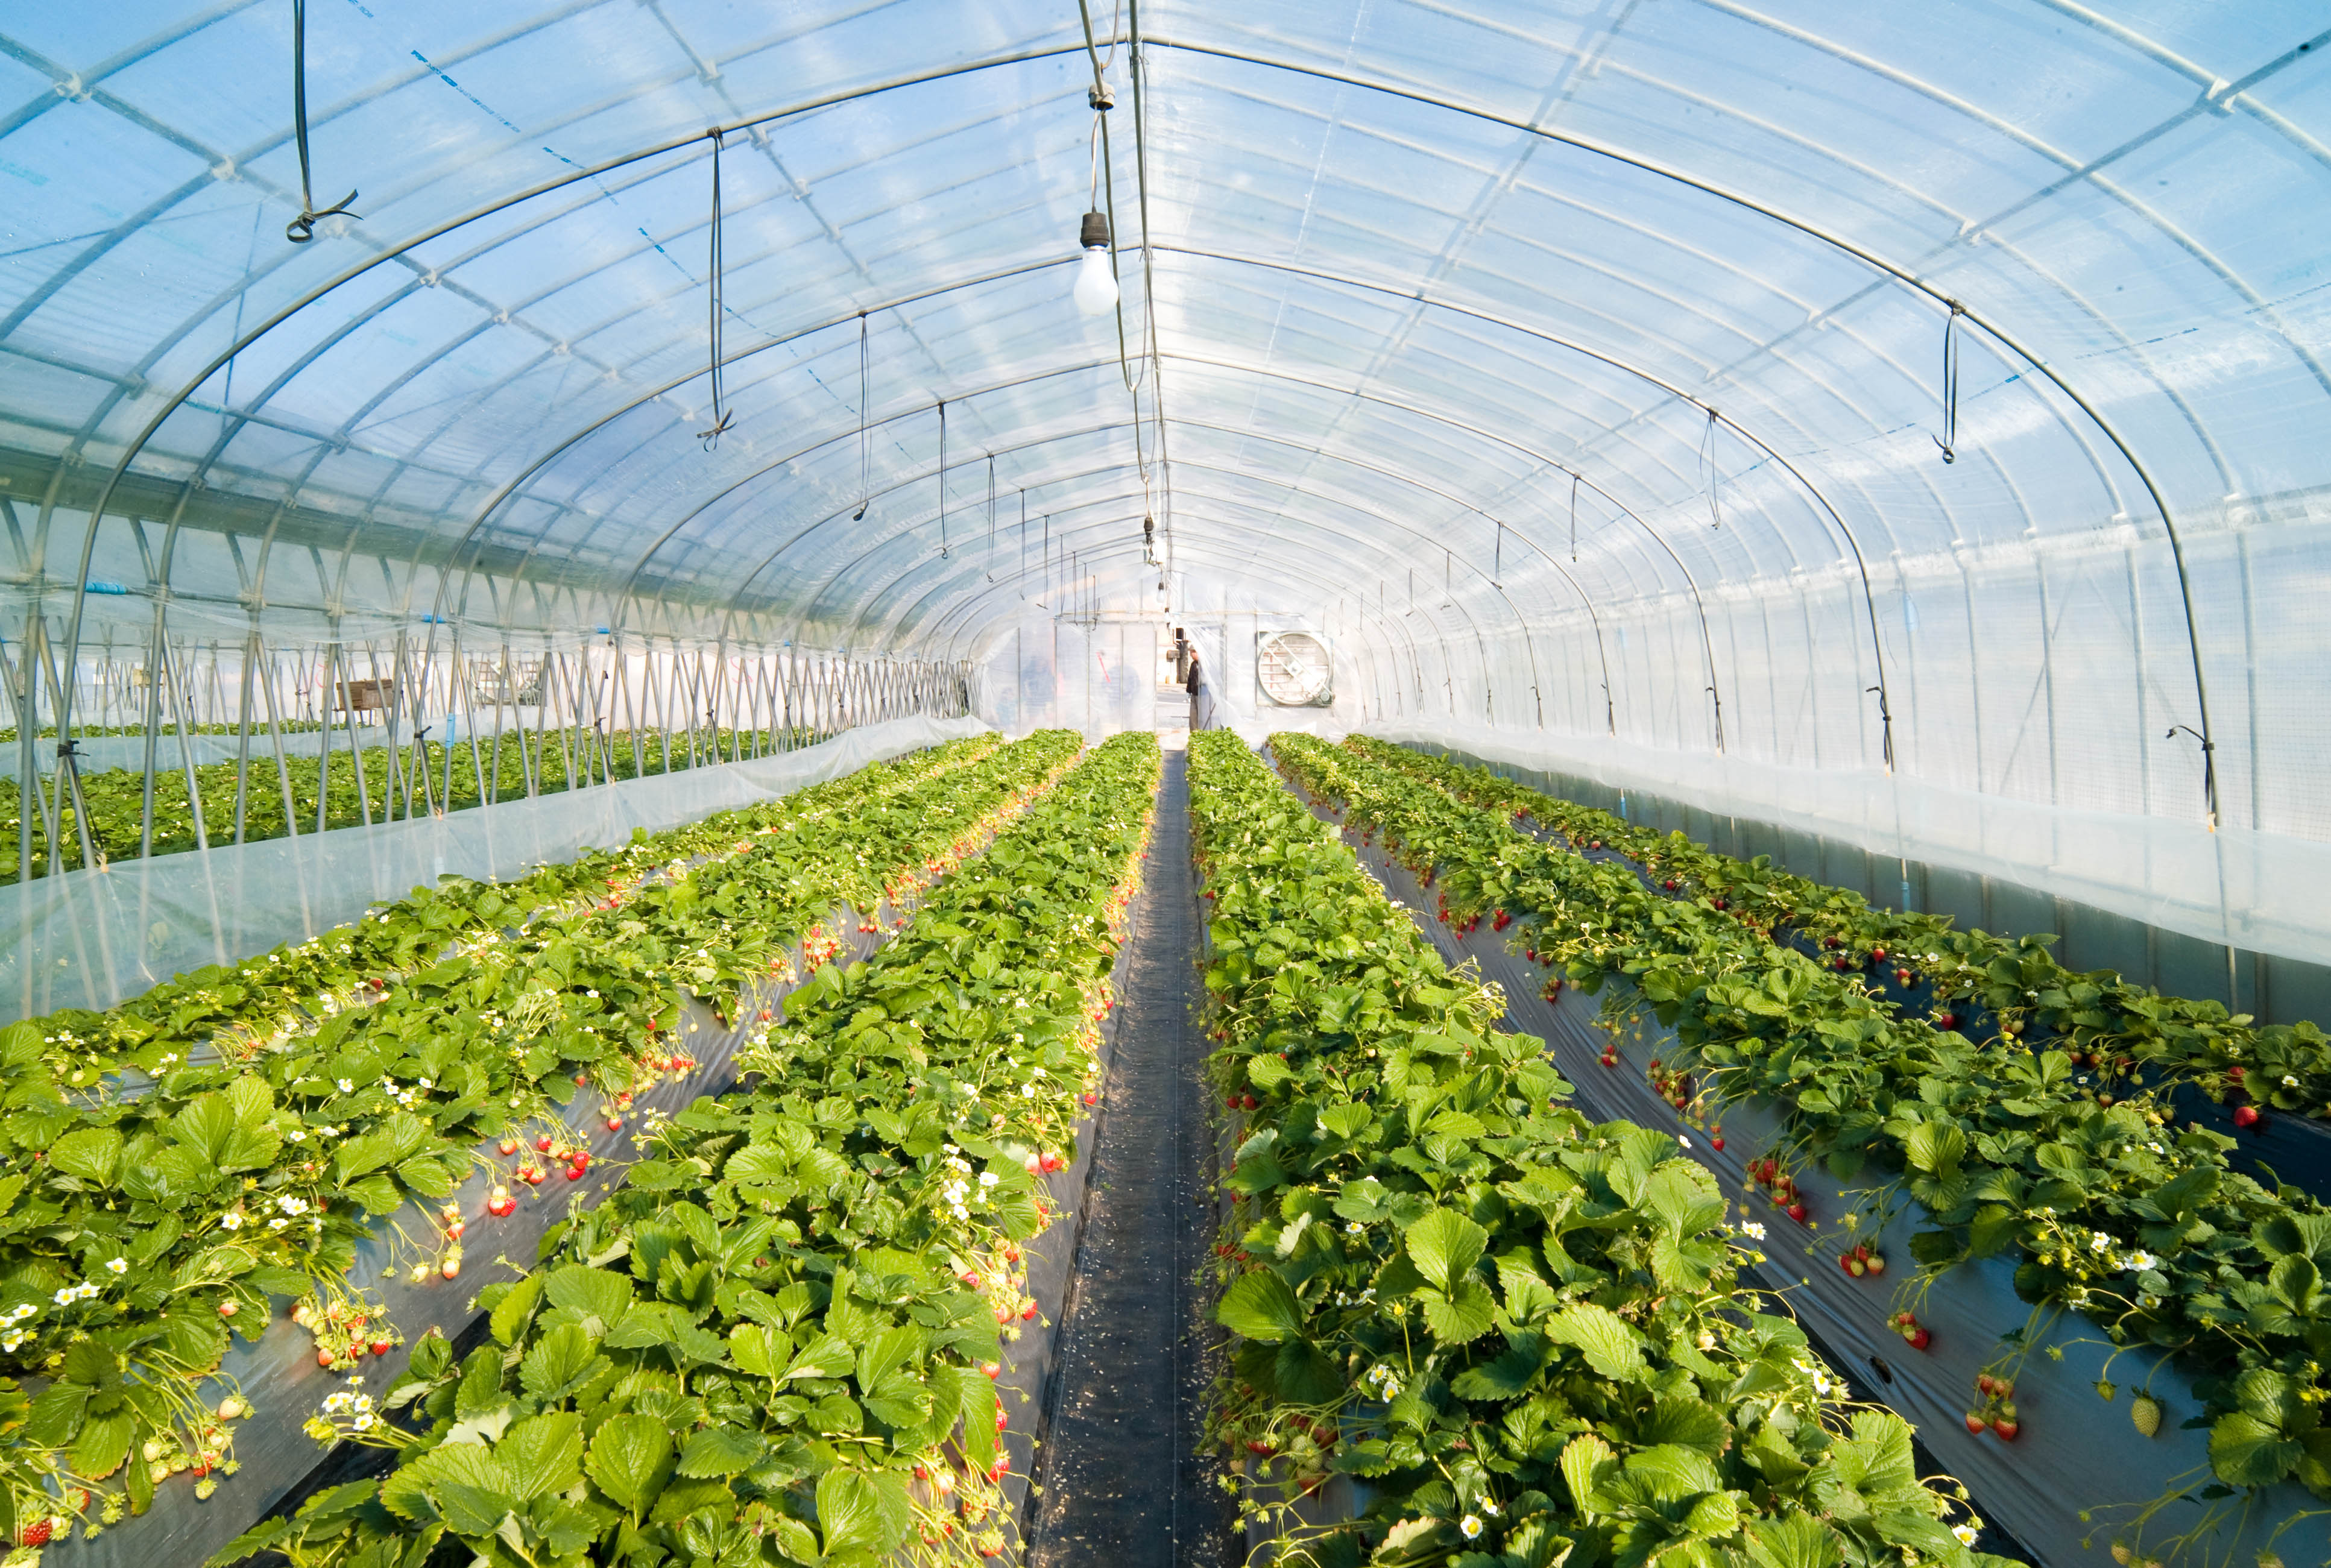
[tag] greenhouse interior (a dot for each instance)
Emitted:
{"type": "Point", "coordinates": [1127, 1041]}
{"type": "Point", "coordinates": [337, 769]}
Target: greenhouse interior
{"type": "Point", "coordinates": [1466, 785]}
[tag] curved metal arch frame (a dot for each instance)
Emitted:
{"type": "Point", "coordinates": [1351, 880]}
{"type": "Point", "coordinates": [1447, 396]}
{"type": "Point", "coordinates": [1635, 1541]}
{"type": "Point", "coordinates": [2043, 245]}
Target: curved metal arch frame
{"type": "Point", "coordinates": [921, 476]}
{"type": "Point", "coordinates": [859, 620]}
{"type": "Point", "coordinates": [1861, 563]}
{"type": "Point", "coordinates": [1541, 460]}
{"type": "Point", "coordinates": [1401, 633]}
{"type": "Point", "coordinates": [510, 487]}
{"type": "Point", "coordinates": [906, 534]}
{"type": "Point", "coordinates": [1869, 257]}
{"type": "Point", "coordinates": [244, 340]}
{"type": "Point", "coordinates": [1310, 579]}
{"type": "Point", "coordinates": [1707, 643]}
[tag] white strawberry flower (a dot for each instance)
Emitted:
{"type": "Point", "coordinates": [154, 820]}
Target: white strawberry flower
{"type": "Point", "coordinates": [118, 1265]}
{"type": "Point", "coordinates": [1471, 1525]}
{"type": "Point", "coordinates": [345, 1086]}
{"type": "Point", "coordinates": [1966, 1534]}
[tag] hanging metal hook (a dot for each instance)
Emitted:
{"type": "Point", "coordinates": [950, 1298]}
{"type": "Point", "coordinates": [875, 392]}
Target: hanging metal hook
{"type": "Point", "coordinates": [721, 418]}
{"type": "Point", "coordinates": [1950, 436]}
{"type": "Point", "coordinates": [302, 229]}
{"type": "Point", "coordinates": [1708, 472]}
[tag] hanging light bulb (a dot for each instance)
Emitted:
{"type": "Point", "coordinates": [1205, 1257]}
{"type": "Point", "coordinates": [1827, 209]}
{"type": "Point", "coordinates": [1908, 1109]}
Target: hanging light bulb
{"type": "Point", "coordinates": [1096, 289]}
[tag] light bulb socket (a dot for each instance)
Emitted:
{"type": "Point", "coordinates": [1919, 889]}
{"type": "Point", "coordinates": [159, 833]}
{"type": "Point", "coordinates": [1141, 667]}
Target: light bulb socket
{"type": "Point", "coordinates": [1095, 233]}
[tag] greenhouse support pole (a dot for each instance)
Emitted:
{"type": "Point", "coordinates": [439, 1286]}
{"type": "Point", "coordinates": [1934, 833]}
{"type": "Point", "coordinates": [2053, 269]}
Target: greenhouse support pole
{"type": "Point", "coordinates": [570, 713]}
{"type": "Point", "coordinates": [535, 752]}
{"type": "Point", "coordinates": [503, 690]}
{"type": "Point", "coordinates": [356, 741]}
{"type": "Point", "coordinates": [324, 700]}
{"type": "Point", "coordinates": [632, 717]}
{"type": "Point", "coordinates": [720, 693]}
{"type": "Point", "coordinates": [185, 753]}
{"type": "Point", "coordinates": [152, 748]}
{"type": "Point", "coordinates": [68, 775]}
{"type": "Point", "coordinates": [242, 733]}
{"type": "Point", "coordinates": [457, 702]}
{"type": "Point", "coordinates": [275, 739]}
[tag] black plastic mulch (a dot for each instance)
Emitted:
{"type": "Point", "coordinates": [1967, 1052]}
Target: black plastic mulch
{"type": "Point", "coordinates": [1122, 1476]}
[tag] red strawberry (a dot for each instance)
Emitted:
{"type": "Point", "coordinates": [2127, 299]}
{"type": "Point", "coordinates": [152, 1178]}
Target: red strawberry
{"type": "Point", "coordinates": [36, 1533]}
{"type": "Point", "coordinates": [1975, 1423]}
{"type": "Point", "coordinates": [1919, 1338]}
{"type": "Point", "coordinates": [543, 1142]}
{"type": "Point", "coordinates": [2246, 1116]}
{"type": "Point", "coordinates": [1797, 1213]}
{"type": "Point", "coordinates": [382, 1346]}
{"type": "Point", "coordinates": [2006, 1425]}
{"type": "Point", "coordinates": [510, 1145]}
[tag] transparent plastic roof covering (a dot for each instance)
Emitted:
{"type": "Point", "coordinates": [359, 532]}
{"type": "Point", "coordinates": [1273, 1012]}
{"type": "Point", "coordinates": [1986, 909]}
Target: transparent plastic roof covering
{"type": "Point", "coordinates": [1621, 326]}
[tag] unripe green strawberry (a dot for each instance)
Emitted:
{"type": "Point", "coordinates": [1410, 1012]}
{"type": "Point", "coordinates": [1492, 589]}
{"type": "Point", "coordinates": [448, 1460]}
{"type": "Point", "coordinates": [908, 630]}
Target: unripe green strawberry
{"type": "Point", "coordinates": [2144, 1414]}
{"type": "Point", "coordinates": [2121, 1553]}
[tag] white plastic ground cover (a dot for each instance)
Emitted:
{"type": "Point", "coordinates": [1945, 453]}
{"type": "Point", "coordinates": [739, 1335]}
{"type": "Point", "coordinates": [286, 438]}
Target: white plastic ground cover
{"type": "Point", "coordinates": [2246, 890]}
{"type": "Point", "coordinates": [90, 939]}
{"type": "Point", "coordinates": [2076, 1451]}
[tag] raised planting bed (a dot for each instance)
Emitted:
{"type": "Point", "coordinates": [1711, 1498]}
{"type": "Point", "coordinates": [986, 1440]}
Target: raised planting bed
{"type": "Point", "coordinates": [2158, 1252]}
{"type": "Point", "coordinates": [1521, 1332]}
{"type": "Point", "coordinates": [341, 1163]}
{"type": "Point", "coordinates": [1987, 987]}
{"type": "Point", "coordinates": [781, 1338]}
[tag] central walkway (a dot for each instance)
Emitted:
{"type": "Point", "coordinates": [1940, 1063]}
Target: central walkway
{"type": "Point", "coordinates": [1125, 1483]}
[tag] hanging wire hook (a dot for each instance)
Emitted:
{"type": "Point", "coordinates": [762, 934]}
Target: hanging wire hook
{"type": "Point", "coordinates": [1950, 437]}
{"type": "Point", "coordinates": [302, 229]}
{"type": "Point", "coordinates": [721, 418]}
{"type": "Point", "coordinates": [1574, 517]}
{"type": "Point", "coordinates": [942, 475]}
{"type": "Point", "coordinates": [865, 451]}
{"type": "Point", "coordinates": [1708, 474]}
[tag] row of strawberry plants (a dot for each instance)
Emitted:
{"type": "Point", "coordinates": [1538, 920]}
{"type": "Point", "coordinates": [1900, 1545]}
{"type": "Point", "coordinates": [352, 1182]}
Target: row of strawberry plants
{"type": "Point", "coordinates": [2111, 1210]}
{"type": "Point", "coordinates": [2118, 1029]}
{"type": "Point", "coordinates": [298, 984]}
{"type": "Point", "coordinates": [1525, 1331]}
{"type": "Point", "coordinates": [777, 1343]}
{"type": "Point", "coordinates": [140, 1229]}
{"type": "Point", "coordinates": [517, 765]}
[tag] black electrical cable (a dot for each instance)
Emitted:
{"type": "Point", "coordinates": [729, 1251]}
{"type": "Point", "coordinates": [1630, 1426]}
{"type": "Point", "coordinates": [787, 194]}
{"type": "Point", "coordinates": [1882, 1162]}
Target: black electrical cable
{"type": "Point", "coordinates": [1573, 519]}
{"type": "Point", "coordinates": [721, 418]}
{"type": "Point", "coordinates": [1950, 436]}
{"type": "Point", "coordinates": [302, 229]}
{"type": "Point", "coordinates": [942, 478]}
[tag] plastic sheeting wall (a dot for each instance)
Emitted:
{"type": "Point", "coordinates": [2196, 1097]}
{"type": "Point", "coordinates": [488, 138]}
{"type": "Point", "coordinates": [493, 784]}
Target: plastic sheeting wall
{"type": "Point", "coordinates": [90, 939]}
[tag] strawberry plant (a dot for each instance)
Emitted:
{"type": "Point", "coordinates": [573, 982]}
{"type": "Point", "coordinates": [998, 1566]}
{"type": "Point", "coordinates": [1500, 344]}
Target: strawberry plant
{"type": "Point", "coordinates": [2110, 1212]}
{"type": "Point", "coordinates": [1525, 1330]}
{"type": "Point", "coordinates": [115, 805]}
{"type": "Point", "coordinates": [2118, 1031]}
{"type": "Point", "coordinates": [142, 1226]}
{"type": "Point", "coordinates": [777, 1340]}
